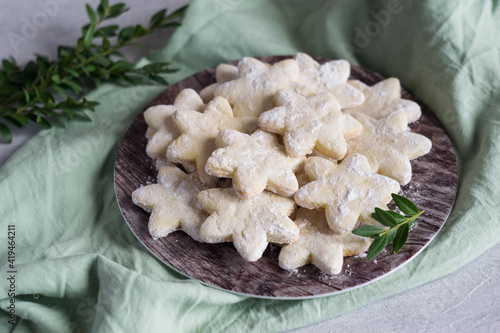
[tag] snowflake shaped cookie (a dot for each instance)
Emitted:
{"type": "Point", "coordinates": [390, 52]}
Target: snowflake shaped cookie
{"type": "Point", "coordinates": [310, 123]}
{"type": "Point", "coordinates": [348, 191]}
{"type": "Point", "coordinates": [223, 73]}
{"type": "Point", "coordinates": [254, 162]}
{"type": "Point", "coordinates": [317, 244]}
{"type": "Point", "coordinates": [172, 202]}
{"type": "Point", "coordinates": [249, 223]}
{"type": "Point", "coordinates": [329, 77]}
{"type": "Point", "coordinates": [162, 131]}
{"type": "Point", "coordinates": [252, 92]}
{"type": "Point", "coordinates": [388, 145]}
{"type": "Point", "coordinates": [384, 98]}
{"type": "Point", "coordinates": [199, 131]}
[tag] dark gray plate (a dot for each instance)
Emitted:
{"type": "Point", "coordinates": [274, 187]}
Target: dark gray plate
{"type": "Point", "coordinates": [432, 188]}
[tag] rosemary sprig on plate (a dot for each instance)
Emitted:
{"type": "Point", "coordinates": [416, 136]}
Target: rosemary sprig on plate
{"type": "Point", "coordinates": [44, 90]}
{"type": "Point", "coordinates": [399, 226]}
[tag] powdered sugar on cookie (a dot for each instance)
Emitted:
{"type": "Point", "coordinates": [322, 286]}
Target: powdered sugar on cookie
{"type": "Point", "coordinates": [334, 147]}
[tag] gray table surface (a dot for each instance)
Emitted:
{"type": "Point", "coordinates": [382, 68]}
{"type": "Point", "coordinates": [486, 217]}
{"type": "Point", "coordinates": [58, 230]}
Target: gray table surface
{"type": "Point", "coordinates": [467, 300]}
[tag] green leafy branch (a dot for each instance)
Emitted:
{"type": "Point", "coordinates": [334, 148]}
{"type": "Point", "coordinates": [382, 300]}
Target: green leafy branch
{"type": "Point", "coordinates": [44, 89]}
{"type": "Point", "coordinates": [399, 227]}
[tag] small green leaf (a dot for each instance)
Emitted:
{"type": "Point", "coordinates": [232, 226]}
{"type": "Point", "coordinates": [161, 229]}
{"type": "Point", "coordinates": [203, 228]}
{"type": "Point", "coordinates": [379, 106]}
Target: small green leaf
{"type": "Point", "coordinates": [102, 8]}
{"type": "Point", "coordinates": [106, 43]}
{"type": "Point", "coordinates": [20, 118]}
{"type": "Point", "coordinates": [43, 63]}
{"type": "Point", "coordinates": [396, 216]}
{"type": "Point", "coordinates": [42, 121]}
{"type": "Point", "coordinates": [74, 87]}
{"type": "Point", "coordinates": [102, 72]}
{"type": "Point", "coordinates": [401, 237]}
{"type": "Point", "coordinates": [170, 25]}
{"type": "Point", "coordinates": [129, 80]}
{"type": "Point", "coordinates": [157, 18]}
{"type": "Point", "coordinates": [97, 82]}
{"type": "Point", "coordinates": [79, 44]}
{"type": "Point", "coordinates": [8, 66]}
{"type": "Point", "coordinates": [73, 73]}
{"type": "Point", "coordinates": [377, 246]}
{"type": "Point", "coordinates": [69, 112]}
{"type": "Point", "coordinates": [88, 36]}
{"type": "Point", "coordinates": [368, 231]}
{"type": "Point", "coordinates": [140, 31]}
{"type": "Point", "coordinates": [158, 79]}
{"type": "Point", "coordinates": [26, 96]}
{"type": "Point", "coordinates": [116, 10]}
{"type": "Point", "coordinates": [383, 217]}
{"type": "Point", "coordinates": [56, 78]}
{"type": "Point", "coordinates": [14, 122]}
{"type": "Point", "coordinates": [6, 133]}
{"type": "Point", "coordinates": [107, 31]}
{"type": "Point", "coordinates": [91, 14]}
{"type": "Point", "coordinates": [30, 73]}
{"type": "Point", "coordinates": [125, 35]}
{"type": "Point", "coordinates": [391, 234]}
{"type": "Point", "coordinates": [121, 66]}
{"type": "Point", "coordinates": [90, 104]}
{"type": "Point", "coordinates": [81, 57]}
{"type": "Point", "coordinates": [178, 13]}
{"type": "Point", "coordinates": [60, 91]}
{"type": "Point", "coordinates": [405, 204]}
{"type": "Point", "coordinates": [100, 58]}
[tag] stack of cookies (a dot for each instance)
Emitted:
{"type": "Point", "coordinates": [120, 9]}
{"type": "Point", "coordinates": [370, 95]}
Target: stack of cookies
{"type": "Point", "coordinates": [291, 153]}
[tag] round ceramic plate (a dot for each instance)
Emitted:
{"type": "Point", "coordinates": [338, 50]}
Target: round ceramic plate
{"type": "Point", "coordinates": [432, 188]}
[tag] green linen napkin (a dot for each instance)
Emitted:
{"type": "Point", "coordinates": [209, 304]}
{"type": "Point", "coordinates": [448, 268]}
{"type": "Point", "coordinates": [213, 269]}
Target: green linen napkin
{"type": "Point", "coordinates": [78, 266]}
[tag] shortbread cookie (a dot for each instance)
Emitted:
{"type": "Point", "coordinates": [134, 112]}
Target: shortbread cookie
{"type": "Point", "coordinates": [388, 145]}
{"type": "Point", "coordinates": [252, 92]}
{"type": "Point", "coordinates": [317, 244]}
{"type": "Point", "coordinates": [172, 202]}
{"type": "Point", "coordinates": [329, 77]}
{"type": "Point", "coordinates": [384, 98]}
{"type": "Point", "coordinates": [249, 223]}
{"type": "Point", "coordinates": [223, 73]}
{"type": "Point", "coordinates": [199, 131]}
{"type": "Point", "coordinates": [310, 123]}
{"type": "Point", "coordinates": [349, 191]}
{"type": "Point", "coordinates": [254, 162]}
{"type": "Point", "coordinates": [162, 131]}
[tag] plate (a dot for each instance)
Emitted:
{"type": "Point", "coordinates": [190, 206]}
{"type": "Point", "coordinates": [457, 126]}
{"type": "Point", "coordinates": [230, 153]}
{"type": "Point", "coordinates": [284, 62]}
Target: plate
{"type": "Point", "coordinates": [433, 188]}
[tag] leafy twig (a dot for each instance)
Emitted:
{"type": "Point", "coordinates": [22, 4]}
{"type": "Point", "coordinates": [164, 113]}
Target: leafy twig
{"type": "Point", "coordinates": [55, 88]}
{"type": "Point", "coordinates": [399, 227]}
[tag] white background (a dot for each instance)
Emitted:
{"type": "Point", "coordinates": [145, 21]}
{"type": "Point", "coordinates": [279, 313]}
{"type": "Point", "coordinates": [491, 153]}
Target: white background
{"type": "Point", "coordinates": [465, 301]}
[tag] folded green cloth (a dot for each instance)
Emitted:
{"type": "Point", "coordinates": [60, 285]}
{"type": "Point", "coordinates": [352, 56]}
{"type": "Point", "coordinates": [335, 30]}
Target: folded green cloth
{"type": "Point", "coordinates": [79, 267]}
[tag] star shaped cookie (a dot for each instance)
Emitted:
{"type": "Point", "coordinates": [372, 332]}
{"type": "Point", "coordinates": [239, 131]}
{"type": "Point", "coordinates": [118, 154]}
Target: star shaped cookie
{"type": "Point", "coordinates": [249, 223]}
{"type": "Point", "coordinates": [252, 92]}
{"type": "Point", "coordinates": [388, 145]}
{"type": "Point", "coordinates": [199, 131]}
{"type": "Point", "coordinates": [310, 123]}
{"type": "Point", "coordinates": [254, 162]}
{"type": "Point", "coordinates": [162, 131]}
{"type": "Point", "coordinates": [317, 244]}
{"type": "Point", "coordinates": [384, 98]}
{"type": "Point", "coordinates": [172, 202]}
{"type": "Point", "coordinates": [329, 77]}
{"type": "Point", "coordinates": [348, 191]}
{"type": "Point", "coordinates": [223, 73]}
